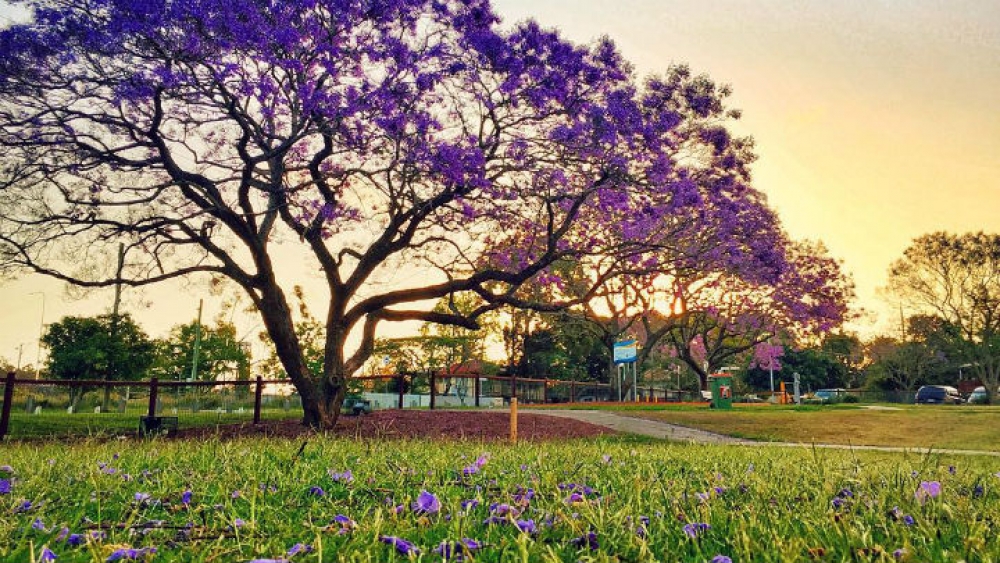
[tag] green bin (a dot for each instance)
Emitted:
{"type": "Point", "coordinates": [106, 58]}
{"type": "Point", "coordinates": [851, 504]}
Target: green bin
{"type": "Point", "coordinates": [722, 391]}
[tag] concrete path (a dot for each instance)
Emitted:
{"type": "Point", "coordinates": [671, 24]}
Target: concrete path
{"type": "Point", "coordinates": [674, 432]}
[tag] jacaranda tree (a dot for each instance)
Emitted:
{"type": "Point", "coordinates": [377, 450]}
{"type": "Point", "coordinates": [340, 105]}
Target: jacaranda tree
{"type": "Point", "coordinates": [355, 139]}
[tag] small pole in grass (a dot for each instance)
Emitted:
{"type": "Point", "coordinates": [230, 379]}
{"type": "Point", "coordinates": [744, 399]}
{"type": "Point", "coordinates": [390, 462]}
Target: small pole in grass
{"type": "Point", "coordinates": [257, 396]}
{"type": "Point", "coordinates": [153, 390]}
{"type": "Point", "coordinates": [8, 400]}
{"type": "Point", "coordinates": [513, 420]}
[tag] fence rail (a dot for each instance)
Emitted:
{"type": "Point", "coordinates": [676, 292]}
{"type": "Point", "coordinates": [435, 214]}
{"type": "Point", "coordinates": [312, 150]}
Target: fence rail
{"type": "Point", "coordinates": [235, 400]}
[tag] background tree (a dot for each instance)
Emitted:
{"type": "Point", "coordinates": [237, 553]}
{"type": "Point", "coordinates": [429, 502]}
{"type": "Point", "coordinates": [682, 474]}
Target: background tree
{"type": "Point", "coordinates": [957, 279]}
{"type": "Point", "coordinates": [87, 348]}
{"type": "Point", "coordinates": [903, 365]}
{"type": "Point", "coordinates": [724, 315]}
{"type": "Point", "coordinates": [849, 351]}
{"type": "Point", "coordinates": [221, 355]}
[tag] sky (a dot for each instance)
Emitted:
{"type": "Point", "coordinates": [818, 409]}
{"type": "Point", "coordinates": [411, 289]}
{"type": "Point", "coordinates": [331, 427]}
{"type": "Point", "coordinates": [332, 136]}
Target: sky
{"type": "Point", "coordinates": [875, 122]}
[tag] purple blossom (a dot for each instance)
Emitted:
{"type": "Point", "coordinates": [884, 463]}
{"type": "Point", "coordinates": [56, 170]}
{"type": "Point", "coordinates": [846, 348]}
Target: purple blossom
{"type": "Point", "coordinates": [130, 554]}
{"type": "Point", "coordinates": [470, 504]}
{"type": "Point", "coordinates": [476, 466]}
{"type": "Point", "coordinates": [317, 491]}
{"type": "Point", "coordinates": [186, 497]}
{"type": "Point", "coordinates": [908, 520]}
{"type": "Point", "coordinates": [402, 546]}
{"type": "Point", "coordinates": [928, 489]}
{"type": "Point", "coordinates": [457, 550]}
{"type": "Point", "coordinates": [343, 477]}
{"type": "Point", "coordinates": [5, 486]}
{"type": "Point", "coordinates": [38, 525]}
{"type": "Point", "coordinates": [526, 526]}
{"type": "Point", "coordinates": [142, 497]}
{"type": "Point", "coordinates": [695, 529]}
{"type": "Point", "coordinates": [24, 506]}
{"type": "Point", "coordinates": [299, 548]}
{"type": "Point", "coordinates": [75, 540]}
{"type": "Point", "coordinates": [46, 554]}
{"type": "Point", "coordinates": [721, 559]}
{"type": "Point", "coordinates": [343, 524]}
{"type": "Point", "coordinates": [524, 496]}
{"type": "Point", "coordinates": [587, 540]}
{"type": "Point", "coordinates": [427, 503]}
{"type": "Point", "coordinates": [6, 469]}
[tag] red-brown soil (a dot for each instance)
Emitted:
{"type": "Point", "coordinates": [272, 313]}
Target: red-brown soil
{"type": "Point", "coordinates": [411, 424]}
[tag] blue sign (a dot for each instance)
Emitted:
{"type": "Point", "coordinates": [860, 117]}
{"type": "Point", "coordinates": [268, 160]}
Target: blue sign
{"type": "Point", "coordinates": [626, 352]}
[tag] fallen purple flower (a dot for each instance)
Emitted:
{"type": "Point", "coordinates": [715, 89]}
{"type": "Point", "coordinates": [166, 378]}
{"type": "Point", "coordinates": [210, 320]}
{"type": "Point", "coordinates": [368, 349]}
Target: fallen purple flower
{"type": "Point", "coordinates": [587, 540]}
{"type": "Point", "coordinates": [694, 529]}
{"type": "Point", "coordinates": [526, 526]}
{"type": "Point", "coordinates": [427, 503]}
{"type": "Point", "coordinates": [344, 477]}
{"type": "Point", "coordinates": [130, 554]}
{"type": "Point", "coordinates": [928, 489]}
{"type": "Point", "coordinates": [402, 546]}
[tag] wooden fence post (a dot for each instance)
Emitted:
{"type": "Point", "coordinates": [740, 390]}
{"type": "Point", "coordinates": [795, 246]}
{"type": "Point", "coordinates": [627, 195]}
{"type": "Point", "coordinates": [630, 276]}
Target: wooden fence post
{"type": "Point", "coordinates": [400, 381]}
{"type": "Point", "coordinates": [513, 420]}
{"type": "Point", "coordinates": [8, 400]}
{"type": "Point", "coordinates": [479, 388]}
{"type": "Point", "coordinates": [153, 391]}
{"type": "Point", "coordinates": [545, 391]}
{"type": "Point", "coordinates": [257, 396]}
{"type": "Point", "coordinates": [513, 387]}
{"type": "Point", "coordinates": [572, 391]}
{"type": "Point", "coordinates": [433, 390]}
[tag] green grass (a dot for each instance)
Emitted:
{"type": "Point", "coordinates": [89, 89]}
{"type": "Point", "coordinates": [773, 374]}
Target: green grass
{"type": "Point", "coordinates": [253, 499]}
{"type": "Point", "coordinates": [59, 424]}
{"type": "Point", "coordinates": [963, 427]}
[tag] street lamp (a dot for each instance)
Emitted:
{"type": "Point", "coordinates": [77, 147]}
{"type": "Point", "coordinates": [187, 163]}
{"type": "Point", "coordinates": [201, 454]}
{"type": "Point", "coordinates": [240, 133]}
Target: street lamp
{"type": "Point", "coordinates": [41, 330]}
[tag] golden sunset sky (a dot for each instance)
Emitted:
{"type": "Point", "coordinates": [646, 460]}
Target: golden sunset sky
{"type": "Point", "coordinates": [875, 122]}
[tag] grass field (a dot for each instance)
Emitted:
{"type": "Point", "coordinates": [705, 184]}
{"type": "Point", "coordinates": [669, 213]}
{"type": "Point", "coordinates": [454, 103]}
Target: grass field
{"type": "Point", "coordinates": [613, 500]}
{"type": "Point", "coordinates": [963, 427]}
{"type": "Point", "coordinates": [58, 424]}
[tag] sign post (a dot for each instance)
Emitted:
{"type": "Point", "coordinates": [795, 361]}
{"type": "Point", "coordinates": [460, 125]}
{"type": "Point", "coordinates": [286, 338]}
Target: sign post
{"type": "Point", "coordinates": [625, 353]}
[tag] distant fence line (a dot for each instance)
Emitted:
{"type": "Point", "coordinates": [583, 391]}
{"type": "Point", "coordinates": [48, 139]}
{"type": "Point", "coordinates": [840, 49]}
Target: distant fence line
{"type": "Point", "coordinates": [168, 396]}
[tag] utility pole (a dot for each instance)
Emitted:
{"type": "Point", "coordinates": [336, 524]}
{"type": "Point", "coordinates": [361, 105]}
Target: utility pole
{"type": "Point", "coordinates": [113, 364]}
{"type": "Point", "coordinates": [41, 332]}
{"type": "Point", "coordinates": [197, 343]}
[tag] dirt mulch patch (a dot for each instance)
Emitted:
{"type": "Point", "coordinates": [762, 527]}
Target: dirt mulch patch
{"type": "Point", "coordinates": [414, 424]}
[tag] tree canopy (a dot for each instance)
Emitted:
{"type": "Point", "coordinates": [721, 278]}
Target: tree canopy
{"type": "Point", "coordinates": [102, 347]}
{"type": "Point", "coordinates": [363, 139]}
{"type": "Point", "coordinates": [955, 278]}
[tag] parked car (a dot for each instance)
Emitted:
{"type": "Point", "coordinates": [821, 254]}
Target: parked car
{"type": "Point", "coordinates": [356, 406]}
{"type": "Point", "coordinates": [979, 396]}
{"type": "Point", "coordinates": [938, 395]}
{"type": "Point", "coordinates": [830, 395]}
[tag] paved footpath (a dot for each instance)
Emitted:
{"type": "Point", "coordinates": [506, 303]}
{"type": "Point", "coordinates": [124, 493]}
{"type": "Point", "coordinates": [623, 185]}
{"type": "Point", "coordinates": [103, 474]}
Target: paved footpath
{"type": "Point", "coordinates": [674, 432]}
